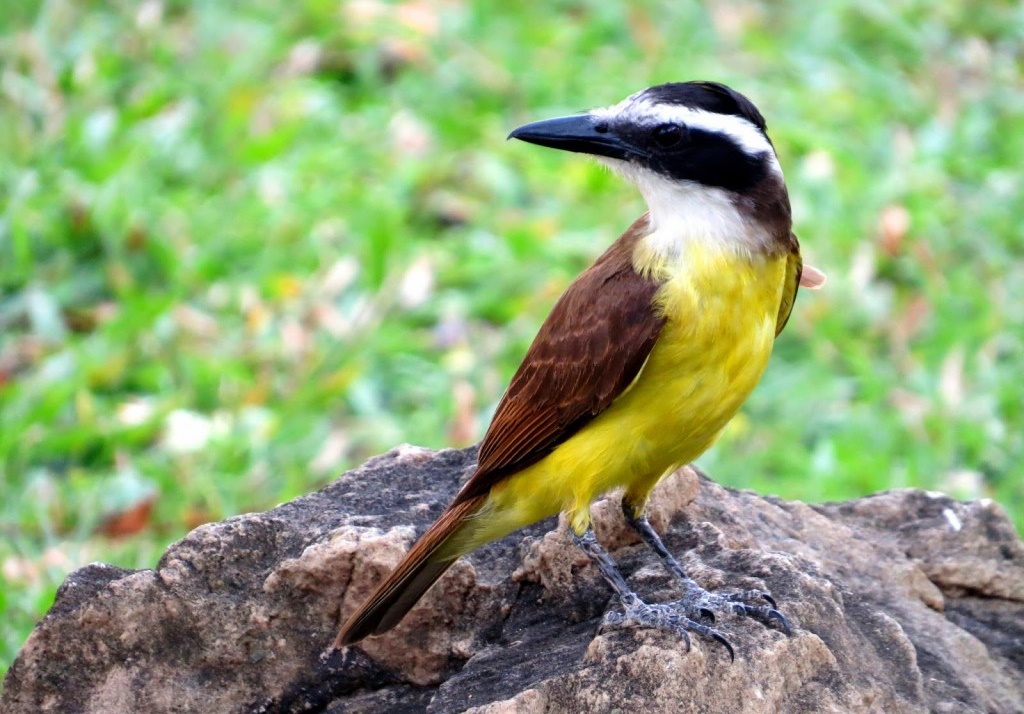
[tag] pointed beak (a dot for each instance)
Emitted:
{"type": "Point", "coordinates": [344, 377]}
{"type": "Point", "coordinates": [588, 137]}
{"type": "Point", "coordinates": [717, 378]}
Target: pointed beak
{"type": "Point", "coordinates": [582, 133]}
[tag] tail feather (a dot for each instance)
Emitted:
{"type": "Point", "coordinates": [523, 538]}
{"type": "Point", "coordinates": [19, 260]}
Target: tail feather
{"type": "Point", "coordinates": [425, 562]}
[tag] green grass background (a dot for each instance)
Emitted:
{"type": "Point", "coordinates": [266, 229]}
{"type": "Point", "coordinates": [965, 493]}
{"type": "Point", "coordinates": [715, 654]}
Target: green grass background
{"type": "Point", "coordinates": [246, 245]}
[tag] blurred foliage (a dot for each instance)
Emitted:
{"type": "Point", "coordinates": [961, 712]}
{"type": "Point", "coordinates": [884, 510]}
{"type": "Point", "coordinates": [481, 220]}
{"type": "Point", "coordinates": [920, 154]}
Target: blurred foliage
{"type": "Point", "coordinates": [244, 246]}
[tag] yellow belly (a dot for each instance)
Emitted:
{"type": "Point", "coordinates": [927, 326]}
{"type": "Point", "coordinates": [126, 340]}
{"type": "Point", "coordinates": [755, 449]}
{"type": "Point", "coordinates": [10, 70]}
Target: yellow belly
{"type": "Point", "coordinates": [720, 327]}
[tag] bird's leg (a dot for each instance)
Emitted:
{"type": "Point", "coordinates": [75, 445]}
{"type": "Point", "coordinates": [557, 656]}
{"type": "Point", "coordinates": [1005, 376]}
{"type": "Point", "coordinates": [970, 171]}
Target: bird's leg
{"type": "Point", "coordinates": [696, 599]}
{"type": "Point", "coordinates": [635, 611]}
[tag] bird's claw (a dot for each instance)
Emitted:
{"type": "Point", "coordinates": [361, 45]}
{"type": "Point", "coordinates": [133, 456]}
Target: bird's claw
{"type": "Point", "coordinates": [719, 637]}
{"type": "Point", "coordinates": [668, 617]}
{"type": "Point", "coordinates": [783, 622]}
{"type": "Point", "coordinates": [763, 613]}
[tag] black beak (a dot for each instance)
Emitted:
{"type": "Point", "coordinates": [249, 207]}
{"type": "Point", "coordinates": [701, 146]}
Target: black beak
{"type": "Point", "coordinates": [581, 133]}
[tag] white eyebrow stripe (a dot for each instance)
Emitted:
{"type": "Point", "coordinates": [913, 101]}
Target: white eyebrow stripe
{"type": "Point", "coordinates": [741, 131]}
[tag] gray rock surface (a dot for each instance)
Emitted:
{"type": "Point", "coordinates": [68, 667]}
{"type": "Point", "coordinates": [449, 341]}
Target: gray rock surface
{"type": "Point", "coordinates": [901, 602]}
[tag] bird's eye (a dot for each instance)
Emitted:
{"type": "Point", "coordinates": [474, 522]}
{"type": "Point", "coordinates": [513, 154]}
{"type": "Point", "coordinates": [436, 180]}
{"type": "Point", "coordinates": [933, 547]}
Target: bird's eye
{"type": "Point", "coordinates": [668, 135]}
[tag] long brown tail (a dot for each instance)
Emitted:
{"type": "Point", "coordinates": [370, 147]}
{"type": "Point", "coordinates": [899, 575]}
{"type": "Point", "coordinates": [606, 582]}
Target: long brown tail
{"type": "Point", "coordinates": [420, 569]}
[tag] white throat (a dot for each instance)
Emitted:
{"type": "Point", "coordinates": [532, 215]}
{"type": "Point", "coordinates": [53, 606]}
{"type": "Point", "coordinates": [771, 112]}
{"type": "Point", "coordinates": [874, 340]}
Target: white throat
{"type": "Point", "coordinates": [685, 213]}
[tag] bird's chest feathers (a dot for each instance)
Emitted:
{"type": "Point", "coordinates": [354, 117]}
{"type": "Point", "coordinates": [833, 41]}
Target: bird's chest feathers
{"type": "Point", "coordinates": [721, 307]}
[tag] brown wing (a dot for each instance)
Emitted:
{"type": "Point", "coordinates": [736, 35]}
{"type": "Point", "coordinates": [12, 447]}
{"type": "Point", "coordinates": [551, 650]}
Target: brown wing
{"type": "Point", "coordinates": [794, 267]}
{"type": "Point", "coordinates": [588, 351]}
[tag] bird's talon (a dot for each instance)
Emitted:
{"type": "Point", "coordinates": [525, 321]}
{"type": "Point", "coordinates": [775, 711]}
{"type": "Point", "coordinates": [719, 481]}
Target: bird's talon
{"type": "Point", "coordinates": [774, 614]}
{"type": "Point", "coordinates": [720, 638]}
{"type": "Point", "coordinates": [612, 620]}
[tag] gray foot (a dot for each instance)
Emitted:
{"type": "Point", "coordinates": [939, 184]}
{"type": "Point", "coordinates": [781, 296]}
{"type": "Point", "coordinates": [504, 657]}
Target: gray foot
{"type": "Point", "coordinates": [691, 613]}
{"type": "Point", "coordinates": [740, 604]}
{"type": "Point", "coordinates": [698, 603]}
{"type": "Point", "coordinates": [668, 617]}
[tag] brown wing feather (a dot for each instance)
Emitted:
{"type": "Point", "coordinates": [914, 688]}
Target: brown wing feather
{"type": "Point", "coordinates": [588, 351]}
{"type": "Point", "coordinates": [794, 267]}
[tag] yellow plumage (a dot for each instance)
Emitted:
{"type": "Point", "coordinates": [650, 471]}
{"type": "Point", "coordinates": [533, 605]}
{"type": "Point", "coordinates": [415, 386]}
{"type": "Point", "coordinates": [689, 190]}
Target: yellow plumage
{"type": "Point", "coordinates": [722, 307]}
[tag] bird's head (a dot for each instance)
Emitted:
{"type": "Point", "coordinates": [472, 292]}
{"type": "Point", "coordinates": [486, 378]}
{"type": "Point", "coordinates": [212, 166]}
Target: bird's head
{"type": "Point", "coordinates": [678, 143]}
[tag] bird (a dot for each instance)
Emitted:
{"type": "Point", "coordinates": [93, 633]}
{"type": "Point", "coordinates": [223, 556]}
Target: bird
{"type": "Point", "coordinates": [643, 360]}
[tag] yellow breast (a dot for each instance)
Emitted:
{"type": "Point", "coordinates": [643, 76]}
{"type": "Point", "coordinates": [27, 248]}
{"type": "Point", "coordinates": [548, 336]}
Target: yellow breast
{"type": "Point", "coordinates": [720, 308]}
{"type": "Point", "coordinates": [720, 311]}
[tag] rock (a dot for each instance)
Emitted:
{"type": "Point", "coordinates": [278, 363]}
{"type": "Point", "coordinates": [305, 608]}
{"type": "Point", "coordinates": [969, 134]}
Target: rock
{"type": "Point", "coordinates": [900, 602]}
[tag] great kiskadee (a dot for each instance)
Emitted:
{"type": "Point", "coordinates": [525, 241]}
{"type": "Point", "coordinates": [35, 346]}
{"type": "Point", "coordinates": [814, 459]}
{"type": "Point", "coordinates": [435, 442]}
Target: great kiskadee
{"type": "Point", "coordinates": [644, 359]}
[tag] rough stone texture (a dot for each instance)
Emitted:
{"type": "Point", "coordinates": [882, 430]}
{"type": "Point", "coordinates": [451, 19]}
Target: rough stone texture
{"type": "Point", "coordinates": [901, 602]}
